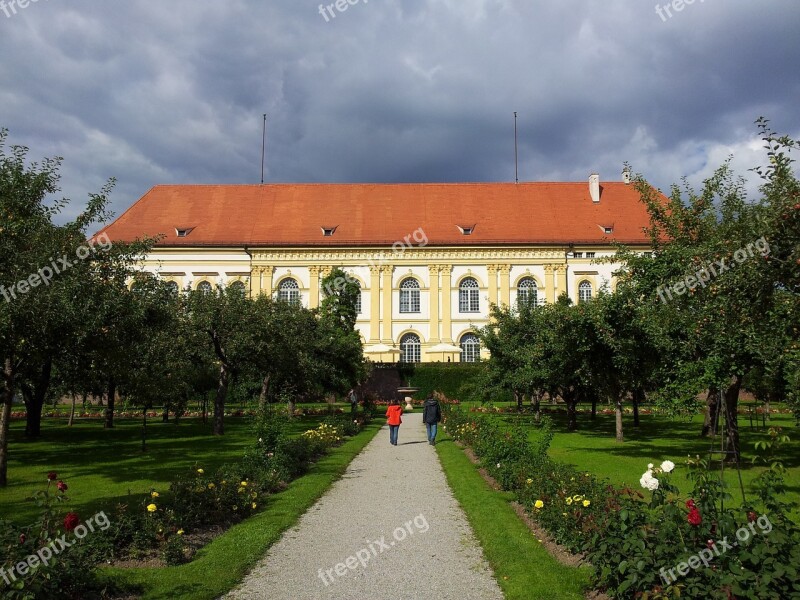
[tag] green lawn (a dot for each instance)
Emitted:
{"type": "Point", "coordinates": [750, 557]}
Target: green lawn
{"type": "Point", "coordinates": [593, 448]}
{"type": "Point", "coordinates": [103, 466]}
{"type": "Point", "coordinates": [523, 567]}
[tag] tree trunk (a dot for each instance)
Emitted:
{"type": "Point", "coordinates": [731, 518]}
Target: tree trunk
{"type": "Point", "coordinates": [72, 412]}
{"type": "Point", "coordinates": [711, 421]}
{"type": "Point", "coordinates": [638, 396]}
{"type": "Point", "coordinates": [144, 429]}
{"type": "Point", "coordinates": [165, 414]}
{"type": "Point", "coordinates": [5, 418]}
{"type": "Point", "coordinates": [34, 400]}
{"type": "Point", "coordinates": [292, 407]}
{"type": "Point", "coordinates": [732, 418]}
{"type": "Point", "coordinates": [571, 400]}
{"type": "Point", "coordinates": [537, 406]}
{"type": "Point", "coordinates": [219, 401]}
{"type": "Point", "coordinates": [112, 393]}
{"type": "Point", "coordinates": [518, 399]}
{"type": "Point", "coordinates": [618, 412]}
{"type": "Point", "coordinates": [262, 398]}
{"type": "Point", "coordinates": [594, 408]}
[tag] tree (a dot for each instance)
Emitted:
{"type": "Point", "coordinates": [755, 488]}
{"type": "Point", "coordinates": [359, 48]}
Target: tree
{"type": "Point", "coordinates": [42, 268]}
{"type": "Point", "coordinates": [226, 317]}
{"type": "Point", "coordinates": [722, 266]}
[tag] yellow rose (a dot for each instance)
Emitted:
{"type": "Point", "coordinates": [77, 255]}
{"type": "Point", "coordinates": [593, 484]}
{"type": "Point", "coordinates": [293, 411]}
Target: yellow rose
{"type": "Point", "coordinates": [576, 498]}
{"type": "Point", "coordinates": [539, 504]}
{"type": "Point", "coordinates": [154, 494]}
{"type": "Point", "coordinates": [152, 508]}
{"type": "Point", "coordinates": [586, 503]}
{"type": "Point", "coordinates": [211, 486]}
{"type": "Point", "coordinates": [243, 484]}
{"type": "Point", "coordinates": [569, 501]}
{"type": "Point", "coordinates": [200, 471]}
{"type": "Point", "coordinates": [179, 532]}
{"type": "Point", "coordinates": [254, 505]}
{"type": "Point", "coordinates": [529, 481]}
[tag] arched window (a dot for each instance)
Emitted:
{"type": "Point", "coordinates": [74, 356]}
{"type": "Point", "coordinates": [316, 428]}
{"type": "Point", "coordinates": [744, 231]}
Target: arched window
{"type": "Point", "coordinates": [470, 348]}
{"type": "Point", "coordinates": [584, 292]}
{"type": "Point", "coordinates": [469, 296]}
{"type": "Point", "coordinates": [409, 296]}
{"type": "Point", "coordinates": [289, 291]}
{"type": "Point", "coordinates": [238, 287]}
{"type": "Point", "coordinates": [204, 287]}
{"type": "Point", "coordinates": [410, 348]}
{"type": "Point", "coordinates": [172, 286]}
{"type": "Point", "coordinates": [527, 292]}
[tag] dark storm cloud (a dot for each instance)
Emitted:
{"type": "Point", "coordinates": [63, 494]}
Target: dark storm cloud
{"type": "Point", "coordinates": [393, 90]}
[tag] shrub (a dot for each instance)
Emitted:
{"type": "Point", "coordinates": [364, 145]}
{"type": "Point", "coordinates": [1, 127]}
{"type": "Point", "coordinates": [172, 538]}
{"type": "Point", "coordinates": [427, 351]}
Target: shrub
{"type": "Point", "coordinates": [51, 570]}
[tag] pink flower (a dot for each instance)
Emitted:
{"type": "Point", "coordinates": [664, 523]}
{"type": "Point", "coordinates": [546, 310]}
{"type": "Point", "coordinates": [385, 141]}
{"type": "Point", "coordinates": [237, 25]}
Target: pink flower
{"type": "Point", "coordinates": [62, 487]}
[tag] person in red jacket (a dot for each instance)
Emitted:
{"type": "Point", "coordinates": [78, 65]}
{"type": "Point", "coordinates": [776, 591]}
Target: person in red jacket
{"type": "Point", "coordinates": [394, 413]}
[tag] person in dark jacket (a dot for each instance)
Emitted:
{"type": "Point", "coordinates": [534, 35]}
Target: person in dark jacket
{"type": "Point", "coordinates": [431, 415]}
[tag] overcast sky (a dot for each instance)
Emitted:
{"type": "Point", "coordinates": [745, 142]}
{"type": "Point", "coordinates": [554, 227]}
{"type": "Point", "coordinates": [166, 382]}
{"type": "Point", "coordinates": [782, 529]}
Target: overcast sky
{"type": "Point", "coordinates": [173, 91]}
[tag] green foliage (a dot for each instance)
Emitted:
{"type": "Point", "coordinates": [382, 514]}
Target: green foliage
{"type": "Point", "coordinates": [627, 539]}
{"type": "Point", "coordinates": [49, 569]}
{"type": "Point", "coordinates": [455, 380]}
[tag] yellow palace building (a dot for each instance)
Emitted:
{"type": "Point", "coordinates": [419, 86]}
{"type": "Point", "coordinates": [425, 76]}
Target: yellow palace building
{"type": "Point", "coordinates": [430, 258]}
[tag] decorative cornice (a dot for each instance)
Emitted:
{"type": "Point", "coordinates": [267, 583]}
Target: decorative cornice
{"type": "Point", "coordinates": [415, 256]}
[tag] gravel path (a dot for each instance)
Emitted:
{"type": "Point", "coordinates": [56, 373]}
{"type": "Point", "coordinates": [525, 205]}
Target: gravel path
{"type": "Point", "coordinates": [391, 525]}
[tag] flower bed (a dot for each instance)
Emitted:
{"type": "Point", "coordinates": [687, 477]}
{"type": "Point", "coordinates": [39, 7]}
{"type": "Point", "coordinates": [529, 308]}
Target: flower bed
{"type": "Point", "coordinates": [167, 526]}
{"type": "Point", "coordinates": [669, 546]}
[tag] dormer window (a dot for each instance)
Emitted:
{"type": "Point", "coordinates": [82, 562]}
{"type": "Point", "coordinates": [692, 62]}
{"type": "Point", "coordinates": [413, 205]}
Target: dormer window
{"type": "Point", "coordinates": [607, 229]}
{"type": "Point", "coordinates": [466, 229]}
{"type": "Point", "coordinates": [329, 231]}
{"type": "Point", "coordinates": [182, 232]}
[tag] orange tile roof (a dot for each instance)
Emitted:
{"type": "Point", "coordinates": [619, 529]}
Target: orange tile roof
{"type": "Point", "coordinates": [381, 214]}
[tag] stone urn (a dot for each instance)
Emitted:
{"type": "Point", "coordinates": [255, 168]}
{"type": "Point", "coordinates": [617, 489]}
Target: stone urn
{"type": "Point", "coordinates": [408, 392]}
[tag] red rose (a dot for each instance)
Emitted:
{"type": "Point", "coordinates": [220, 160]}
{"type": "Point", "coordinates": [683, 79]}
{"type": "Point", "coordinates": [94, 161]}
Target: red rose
{"type": "Point", "coordinates": [62, 487]}
{"type": "Point", "coordinates": [52, 476]}
{"type": "Point", "coordinates": [710, 544]}
{"type": "Point", "coordinates": [71, 521]}
{"type": "Point", "coordinates": [22, 538]}
{"type": "Point", "coordinates": [694, 517]}
{"type": "Point", "coordinates": [751, 516]}
{"type": "Point", "coordinates": [690, 503]}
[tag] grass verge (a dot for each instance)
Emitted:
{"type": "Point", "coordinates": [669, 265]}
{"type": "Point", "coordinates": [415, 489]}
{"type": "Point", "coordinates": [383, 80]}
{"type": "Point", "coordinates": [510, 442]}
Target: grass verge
{"type": "Point", "coordinates": [223, 563]}
{"type": "Point", "coordinates": [523, 567]}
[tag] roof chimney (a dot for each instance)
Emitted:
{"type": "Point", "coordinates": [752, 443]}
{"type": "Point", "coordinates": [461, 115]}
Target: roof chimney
{"type": "Point", "coordinates": [626, 175]}
{"type": "Point", "coordinates": [594, 187]}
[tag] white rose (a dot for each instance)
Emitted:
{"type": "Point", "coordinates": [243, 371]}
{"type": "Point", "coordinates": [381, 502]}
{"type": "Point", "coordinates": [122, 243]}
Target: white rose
{"type": "Point", "coordinates": [649, 482]}
{"type": "Point", "coordinates": [667, 466]}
